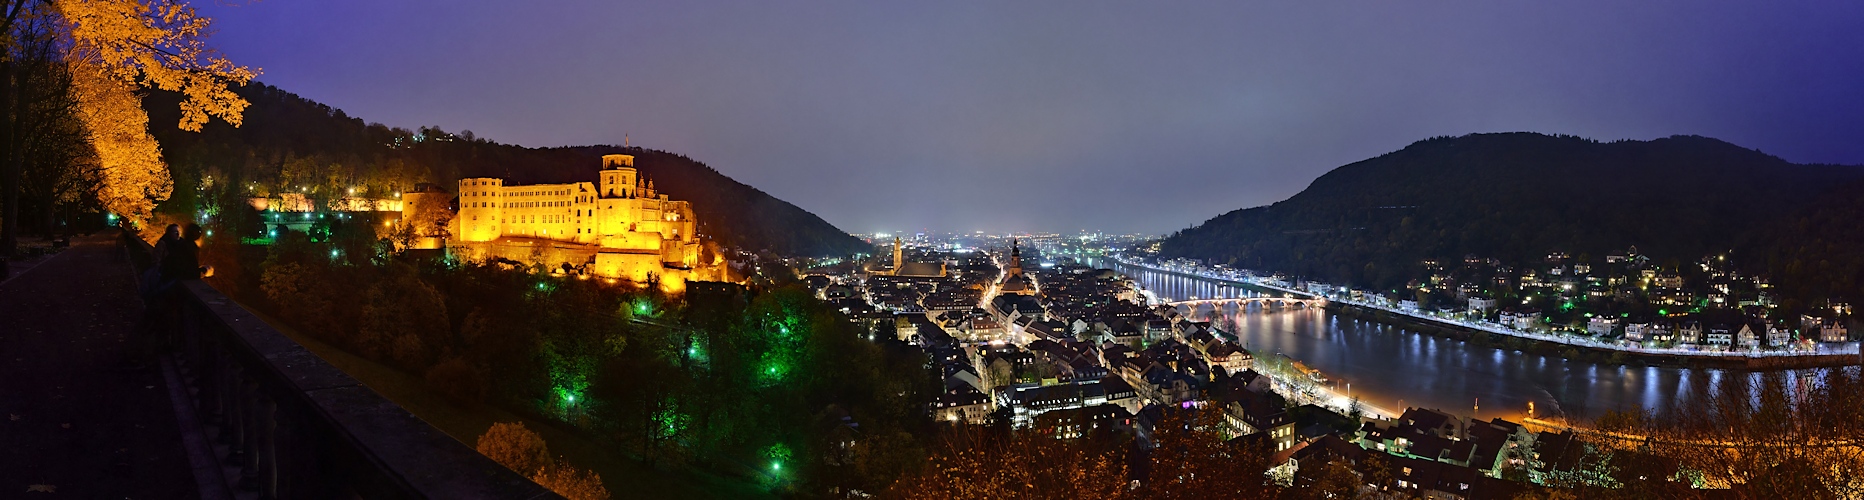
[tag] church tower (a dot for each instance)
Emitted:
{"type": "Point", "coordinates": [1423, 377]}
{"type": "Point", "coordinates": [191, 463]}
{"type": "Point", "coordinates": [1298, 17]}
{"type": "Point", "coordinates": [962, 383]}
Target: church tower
{"type": "Point", "coordinates": [1016, 258]}
{"type": "Point", "coordinates": [899, 256]}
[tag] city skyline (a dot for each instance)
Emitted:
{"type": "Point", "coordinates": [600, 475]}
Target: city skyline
{"type": "Point", "coordinates": [1085, 250]}
{"type": "Point", "coordinates": [1211, 108]}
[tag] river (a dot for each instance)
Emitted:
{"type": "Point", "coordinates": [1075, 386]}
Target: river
{"type": "Point", "coordinates": [1393, 368]}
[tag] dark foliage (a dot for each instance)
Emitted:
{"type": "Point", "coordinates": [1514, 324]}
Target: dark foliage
{"type": "Point", "coordinates": [289, 141]}
{"type": "Point", "coordinates": [1818, 252]}
{"type": "Point", "coordinates": [769, 385]}
{"type": "Point", "coordinates": [1518, 196]}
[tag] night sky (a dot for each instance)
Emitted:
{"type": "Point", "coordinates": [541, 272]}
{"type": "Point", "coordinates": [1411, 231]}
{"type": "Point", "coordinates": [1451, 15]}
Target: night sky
{"type": "Point", "coordinates": [1065, 115]}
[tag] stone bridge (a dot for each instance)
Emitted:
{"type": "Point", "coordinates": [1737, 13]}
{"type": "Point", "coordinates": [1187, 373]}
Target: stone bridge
{"type": "Point", "coordinates": [1244, 303]}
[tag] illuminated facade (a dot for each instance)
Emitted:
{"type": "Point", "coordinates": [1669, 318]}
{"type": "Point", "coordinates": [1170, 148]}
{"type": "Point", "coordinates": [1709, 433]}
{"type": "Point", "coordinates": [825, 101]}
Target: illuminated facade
{"type": "Point", "coordinates": [617, 226]}
{"type": "Point", "coordinates": [908, 269]}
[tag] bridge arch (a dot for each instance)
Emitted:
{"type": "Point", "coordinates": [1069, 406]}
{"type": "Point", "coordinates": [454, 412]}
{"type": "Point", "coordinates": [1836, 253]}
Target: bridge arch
{"type": "Point", "coordinates": [1269, 303]}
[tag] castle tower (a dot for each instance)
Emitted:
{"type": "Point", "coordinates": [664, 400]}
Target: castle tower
{"type": "Point", "coordinates": [426, 204]}
{"type": "Point", "coordinates": [618, 176]}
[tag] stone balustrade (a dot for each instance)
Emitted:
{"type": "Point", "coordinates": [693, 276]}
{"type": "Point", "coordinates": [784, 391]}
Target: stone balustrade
{"type": "Point", "coordinates": [285, 424]}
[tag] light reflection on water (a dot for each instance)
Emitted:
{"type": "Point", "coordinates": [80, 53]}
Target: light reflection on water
{"type": "Point", "coordinates": [1388, 365]}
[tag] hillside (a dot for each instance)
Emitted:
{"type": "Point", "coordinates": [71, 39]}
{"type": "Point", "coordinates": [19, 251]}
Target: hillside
{"type": "Point", "coordinates": [1517, 196]}
{"type": "Point", "coordinates": [287, 140]}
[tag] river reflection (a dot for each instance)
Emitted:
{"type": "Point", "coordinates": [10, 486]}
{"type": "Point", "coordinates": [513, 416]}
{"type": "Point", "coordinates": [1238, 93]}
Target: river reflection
{"type": "Point", "coordinates": [1393, 368]}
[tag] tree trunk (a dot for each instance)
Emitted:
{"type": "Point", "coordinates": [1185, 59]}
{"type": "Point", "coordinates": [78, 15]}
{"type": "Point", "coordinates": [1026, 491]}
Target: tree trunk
{"type": "Point", "coordinates": [48, 211]}
{"type": "Point", "coordinates": [9, 169]}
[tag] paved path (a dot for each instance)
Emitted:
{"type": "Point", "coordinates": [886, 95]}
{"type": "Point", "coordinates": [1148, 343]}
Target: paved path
{"type": "Point", "coordinates": [67, 421]}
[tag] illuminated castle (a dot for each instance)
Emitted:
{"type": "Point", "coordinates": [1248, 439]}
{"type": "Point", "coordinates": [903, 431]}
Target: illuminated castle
{"type": "Point", "coordinates": [617, 227]}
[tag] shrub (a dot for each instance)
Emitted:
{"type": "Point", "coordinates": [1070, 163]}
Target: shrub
{"type": "Point", "coordinates": [515, 447]}
{"type": "Point", "coordinates": [571, 482]}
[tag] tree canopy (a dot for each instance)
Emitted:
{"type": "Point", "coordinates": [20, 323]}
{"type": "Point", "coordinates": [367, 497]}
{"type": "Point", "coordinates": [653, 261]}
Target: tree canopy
{"type": "Point", "coordinates": [94, 55]}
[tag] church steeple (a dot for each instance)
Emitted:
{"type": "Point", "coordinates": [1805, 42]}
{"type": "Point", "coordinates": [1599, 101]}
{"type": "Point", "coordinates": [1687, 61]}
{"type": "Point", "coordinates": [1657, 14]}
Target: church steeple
{"type": "Point", "coordinates": [1016, 258]}
{"type": "Point", "coordinates": [899, 256]}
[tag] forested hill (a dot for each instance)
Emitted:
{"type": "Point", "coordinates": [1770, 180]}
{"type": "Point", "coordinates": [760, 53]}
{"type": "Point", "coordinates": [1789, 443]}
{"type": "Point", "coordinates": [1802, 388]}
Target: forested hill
{"type": "Point", "coordinates": [1517, 196]}
{"type": "Point", "coordinates": [288, 140]}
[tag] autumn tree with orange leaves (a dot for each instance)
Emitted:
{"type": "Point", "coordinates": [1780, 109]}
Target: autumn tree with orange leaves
{"type": "Point", "coordinates": [524, 452]}
{"type": "Point", "coordinates": [110, 49]}
{"type": "Point", "coordinates": [986, 464]}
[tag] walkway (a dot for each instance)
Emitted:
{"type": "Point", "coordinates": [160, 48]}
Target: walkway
{"type": "Point", "coordinates": [68, 422]}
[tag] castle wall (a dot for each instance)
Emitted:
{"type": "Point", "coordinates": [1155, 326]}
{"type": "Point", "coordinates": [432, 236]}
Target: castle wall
{"type": "Point", "coordinates": [628, 229]}
{"type": "Point", "coordinates": [551, 254]}
{"type": "Point", "coordinates": [631, 266]}
{"type": "Point", "coordinates": [480, 208]}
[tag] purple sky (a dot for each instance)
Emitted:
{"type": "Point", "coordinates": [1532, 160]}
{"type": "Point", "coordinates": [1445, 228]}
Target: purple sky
{"type": "Point", "coordinates": [1036, 116]}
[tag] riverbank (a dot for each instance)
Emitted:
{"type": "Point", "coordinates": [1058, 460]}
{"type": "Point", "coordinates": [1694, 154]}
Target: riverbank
{"type": "Point", "coordinates": [1572, 349]}
{"type": "Point", "coordinates": [1588, 353]}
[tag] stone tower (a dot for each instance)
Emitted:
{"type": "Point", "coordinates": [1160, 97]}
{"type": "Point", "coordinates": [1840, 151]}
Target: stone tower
{"type": "Point", "coordinates": [1016, 258]}
{"type": "Point", "coordinates": [899, 256]}
{"type": "Point", "coordinates": [618, 176]}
